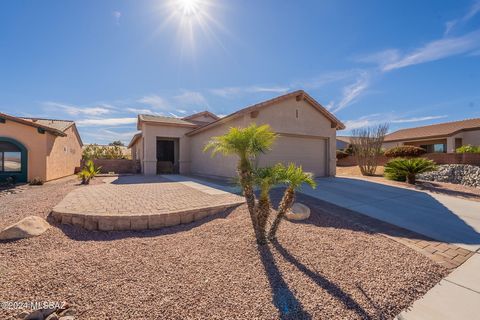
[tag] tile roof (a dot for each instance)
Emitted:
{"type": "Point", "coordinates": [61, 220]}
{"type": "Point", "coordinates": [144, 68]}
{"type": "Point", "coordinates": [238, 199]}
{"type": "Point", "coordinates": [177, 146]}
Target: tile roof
{"type": "Point", "coordinates": [60, 125]}
{"type": "Point", "coordinates": [53, 126]}
{"type": "Point", "coordinates": [165, 120]}
{"type": "Point", "coordinates": [434, 130]}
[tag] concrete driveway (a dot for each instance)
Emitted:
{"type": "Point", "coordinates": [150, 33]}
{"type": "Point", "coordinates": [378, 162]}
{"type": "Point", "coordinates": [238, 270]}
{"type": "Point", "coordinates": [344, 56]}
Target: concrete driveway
{"type": "Point", "coordinates": [443, 218]}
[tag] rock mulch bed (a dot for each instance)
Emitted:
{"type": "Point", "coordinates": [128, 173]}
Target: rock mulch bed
{"type": "Point", "coordinates": [463, 174]}
{"type": "Point", "coordinates": [323, 268]}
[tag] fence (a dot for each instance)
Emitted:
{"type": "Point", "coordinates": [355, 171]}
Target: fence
{"type": "Point", "coordinates": [117, 165]}
{"type": "Point", "coordinates": [439, 158]}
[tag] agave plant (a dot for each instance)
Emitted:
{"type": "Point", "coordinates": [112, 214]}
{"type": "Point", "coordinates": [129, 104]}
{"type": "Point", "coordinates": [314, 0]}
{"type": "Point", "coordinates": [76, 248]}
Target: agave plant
{"type": "Point", "coordinates": [294, 177]}
{"type": "Point", "coordinates": [88, 172]}
{"type": "Point", "coordinates": [408, 168]}
{"type": "Point", "coordinates": [246, 144]}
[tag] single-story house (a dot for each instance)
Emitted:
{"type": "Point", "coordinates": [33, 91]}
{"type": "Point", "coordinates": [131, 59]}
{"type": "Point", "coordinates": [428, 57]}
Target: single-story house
{"type": "Point", "coordinates": [38, 148]}
{"type": "Point", "coordinates": [307, 137]}
{"type": "Point", "coordinates": [343, 142]}
{"type": "Point", "coordinates": [437, 138]}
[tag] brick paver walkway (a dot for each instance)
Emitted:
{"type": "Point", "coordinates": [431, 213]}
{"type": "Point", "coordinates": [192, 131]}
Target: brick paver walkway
{"type": "Point", "coordinates": [136, 202]}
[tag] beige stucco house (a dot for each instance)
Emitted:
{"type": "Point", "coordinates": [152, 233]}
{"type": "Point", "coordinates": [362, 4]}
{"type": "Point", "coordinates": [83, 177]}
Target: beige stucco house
{"type": "Point", "coordinates": [307, 137]}
{"type": "Point", "coordinates": [38, 148]}
{"type": "Point", "coordinates": [438, 138]}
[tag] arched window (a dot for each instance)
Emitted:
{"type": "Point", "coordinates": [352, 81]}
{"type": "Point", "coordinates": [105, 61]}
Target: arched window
{"type": "Point", "coordinates": [10, 157]}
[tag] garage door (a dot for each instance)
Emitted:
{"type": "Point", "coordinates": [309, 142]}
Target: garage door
{"type": "Point", "coordinates": [310, 153]}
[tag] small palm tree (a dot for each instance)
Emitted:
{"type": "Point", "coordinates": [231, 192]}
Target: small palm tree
{"type": "Point", "coordinates": [265, 179]}
{"type": "Point", "coordinates": [294, 177]}
{"type": "Point", "coordinates": [408, 168]}
{"type": "Point", "coordinates": [245, 143]}
{"type": "Point", "coordinates": [88, 172]}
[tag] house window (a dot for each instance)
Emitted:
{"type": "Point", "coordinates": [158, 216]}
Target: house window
{"type": "Point", "coordinates": [435, 148]}
{"type": "Point", "coordinates": [10, 158]}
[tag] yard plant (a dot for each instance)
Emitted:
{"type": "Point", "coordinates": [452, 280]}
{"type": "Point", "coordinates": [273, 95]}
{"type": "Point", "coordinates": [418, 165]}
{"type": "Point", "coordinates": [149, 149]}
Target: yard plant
{"type": "Point", "coordinates": [367, 147]}
{"type": "Point", "coordinates": [88, 172]}
{"type": "Point", "coordinates": [247, 143]}
{"type": "Point", "coordinates": [404, 152]}
{"type": "Point", "coordinates": [402, 169]}
{"type": "Point", "coordinates": [468, 149]}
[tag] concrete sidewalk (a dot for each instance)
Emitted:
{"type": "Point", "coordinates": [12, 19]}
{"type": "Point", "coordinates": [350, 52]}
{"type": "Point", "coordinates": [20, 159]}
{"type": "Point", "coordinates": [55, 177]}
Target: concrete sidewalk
{"type": "Point", "coordinates": [455, 297]}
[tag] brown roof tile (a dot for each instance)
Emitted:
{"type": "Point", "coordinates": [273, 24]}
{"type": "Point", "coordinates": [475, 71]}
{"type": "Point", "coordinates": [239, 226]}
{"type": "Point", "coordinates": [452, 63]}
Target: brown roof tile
{"type": "Point", "coordinates": [434, 130]}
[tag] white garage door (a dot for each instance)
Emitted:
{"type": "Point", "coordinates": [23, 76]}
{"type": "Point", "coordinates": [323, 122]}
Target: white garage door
{"type": "Point", "coordinates": [310, 153]}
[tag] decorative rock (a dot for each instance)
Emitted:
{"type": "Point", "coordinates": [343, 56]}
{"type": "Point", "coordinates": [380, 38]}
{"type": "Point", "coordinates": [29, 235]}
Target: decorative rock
{"type": "Point", "coordinates": [298, 211]}
{"type": "Point", "coordinates": [28, 227]}
{"type": "Point", "coordinates": [463, 174]}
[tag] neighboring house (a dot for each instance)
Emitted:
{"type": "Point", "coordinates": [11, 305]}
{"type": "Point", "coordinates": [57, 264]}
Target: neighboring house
{"type": "Point", "coordinates": [307, 136]}
{"type": "Point", "coordinates": [38, 148]}
{"type": "Point", "coordinates": [343, 142]}
{"type": "Point", "coordinates": [443, 137]}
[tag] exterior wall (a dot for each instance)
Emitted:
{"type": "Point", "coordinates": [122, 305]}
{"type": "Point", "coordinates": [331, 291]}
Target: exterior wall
{"type": "Point", "coordinates": [282, 118]}
{"type": "Point", "coordinates": [63, 154]}
{"type": "Point", "coordinates": [34, 142]}
{"type": "Point", "coordinates": [471, 137]}
{"type": "Point", "coordinates": [116, 165]}
{"type": "Point", "coordinates": [137, 152]}
{"type": "Point", "coordinates": [150, 132]}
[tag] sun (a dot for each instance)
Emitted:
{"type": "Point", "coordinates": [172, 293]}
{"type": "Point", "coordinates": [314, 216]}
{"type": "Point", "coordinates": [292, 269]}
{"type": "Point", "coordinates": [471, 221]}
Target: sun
{"type": "Point", "coordinates": [188, 7]}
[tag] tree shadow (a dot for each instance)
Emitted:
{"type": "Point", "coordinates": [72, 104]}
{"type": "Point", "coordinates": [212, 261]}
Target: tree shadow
{"type": "Point", "coordinates": [283, 298]}
{"type": "Point", "coordinates": [322, 282]}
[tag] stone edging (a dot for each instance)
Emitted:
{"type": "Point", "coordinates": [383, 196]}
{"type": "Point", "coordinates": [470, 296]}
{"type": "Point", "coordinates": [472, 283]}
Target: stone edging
{"type": "Point", "coordinates": [137, 222]}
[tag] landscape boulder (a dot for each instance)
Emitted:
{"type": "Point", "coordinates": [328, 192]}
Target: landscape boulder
{"type": "Point", "coordinates": [28, 227]}
{"type": "Point", "coordinates": [299, 211]}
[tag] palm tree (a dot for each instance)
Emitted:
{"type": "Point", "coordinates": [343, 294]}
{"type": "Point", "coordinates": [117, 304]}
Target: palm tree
{"type": "Point", "coordinates": [245, 143]}
{"type": "Point", "coordinates": [293, 177]}
{"type": "Point", "coordinates": [408, 168]}
{"type": "Point", "coordinates": [265, 179]}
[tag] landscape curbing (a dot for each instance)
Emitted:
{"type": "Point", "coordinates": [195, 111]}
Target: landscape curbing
{"type": "Point", "coordinates": [137, 222]}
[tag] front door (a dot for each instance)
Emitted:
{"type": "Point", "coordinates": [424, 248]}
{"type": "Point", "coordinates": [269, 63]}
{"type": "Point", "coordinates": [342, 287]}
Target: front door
{"type": "Point", "coordinates": [165, 156]}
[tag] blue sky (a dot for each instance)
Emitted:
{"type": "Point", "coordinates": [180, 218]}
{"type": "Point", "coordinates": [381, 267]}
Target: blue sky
{"type": "Point", "coordinates": [406, 62]}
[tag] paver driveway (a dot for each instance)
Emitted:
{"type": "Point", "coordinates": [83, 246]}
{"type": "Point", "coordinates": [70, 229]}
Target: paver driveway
{"type": "Point", "coordinates": [441, 217]}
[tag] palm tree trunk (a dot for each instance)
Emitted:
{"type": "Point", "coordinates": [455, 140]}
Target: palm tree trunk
{"type": "Point", "coordinates": [246, 182]}
{"type": "Point", "coordinates": [411, 178]}
{"type": "Point", "coordinates": [285, 204]}
{"type": "Point", "coordinates": [263, 210]}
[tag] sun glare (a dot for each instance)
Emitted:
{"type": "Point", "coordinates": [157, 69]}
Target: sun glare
{"type": "Point", "coordinates": [188, 7]}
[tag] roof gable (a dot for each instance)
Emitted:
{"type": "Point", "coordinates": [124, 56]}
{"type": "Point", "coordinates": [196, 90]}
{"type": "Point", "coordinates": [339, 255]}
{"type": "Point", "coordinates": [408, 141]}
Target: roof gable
{"type": "Point", "coordinates": [56, 127]}
{"type": "Point", "coordinates": [299, 95]}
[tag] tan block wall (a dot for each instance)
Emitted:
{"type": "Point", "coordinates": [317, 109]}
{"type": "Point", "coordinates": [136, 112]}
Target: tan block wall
{"type": "Point", "coordinates": [35, 143]}
{"type": "Point", "coordinates": [282, 118]}
{"type": "Point", "coordinates": [63, 154]}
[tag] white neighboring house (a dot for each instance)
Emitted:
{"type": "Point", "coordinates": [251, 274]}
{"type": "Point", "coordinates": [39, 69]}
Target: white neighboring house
{"type": "Point", "coordinates": [307, 137]}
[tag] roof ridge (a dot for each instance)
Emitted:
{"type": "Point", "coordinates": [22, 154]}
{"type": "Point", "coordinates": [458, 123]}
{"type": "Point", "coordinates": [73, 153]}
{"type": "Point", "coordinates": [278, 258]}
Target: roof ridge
{"type": "Point", "coordinates": [436, 124]}
{"type": "Point", "coordinates": [35, 118]}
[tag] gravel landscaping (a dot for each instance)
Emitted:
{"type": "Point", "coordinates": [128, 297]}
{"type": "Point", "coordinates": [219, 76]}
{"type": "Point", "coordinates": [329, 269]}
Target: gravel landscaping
{"type": "Point", "coordinates": [463, 174]}
{"type": "Point", "coordinates": [322, 268]}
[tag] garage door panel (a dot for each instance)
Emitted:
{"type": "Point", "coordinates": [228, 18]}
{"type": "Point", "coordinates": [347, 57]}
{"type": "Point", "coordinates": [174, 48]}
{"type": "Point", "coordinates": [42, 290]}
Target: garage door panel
{"type": "Point", "coordinates": [310, 153]}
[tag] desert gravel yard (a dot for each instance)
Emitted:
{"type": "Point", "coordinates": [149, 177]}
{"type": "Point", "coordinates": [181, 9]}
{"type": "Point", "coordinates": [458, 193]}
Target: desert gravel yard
{"type": "Point", "coordinates": [322, 268]}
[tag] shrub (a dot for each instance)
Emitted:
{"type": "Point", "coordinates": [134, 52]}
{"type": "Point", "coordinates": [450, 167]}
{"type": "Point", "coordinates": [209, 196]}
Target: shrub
{"type": "Point", "coordinates": [36, 182]}
{"type": "Point", "coordinates": [341, 154]}
{"type": "Point", "coordinates": [468, 149]}
{"type": "Point", "coordinates": [367, 147]}
{"type": "Point", "coordinates": [88, 172]}
{"type": "Point", "coordinates": [404, 152]}
{"type": "Point", "coordinates": [94, 151]}
{"type": "Point", "coordinates": [405, 169]}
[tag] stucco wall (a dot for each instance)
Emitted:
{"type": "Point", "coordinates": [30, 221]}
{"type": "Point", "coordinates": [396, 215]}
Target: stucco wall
{"type": "Point", "coordinates": [35, 143]}
{"type": "Point", "coordinates": [63, 154]}
{"type": "Point", "coordinates": [310, 124]}
{"type": "Point", "coordinates": [150, 132]}
{"type": "Point", "coordinates": [471, 137]}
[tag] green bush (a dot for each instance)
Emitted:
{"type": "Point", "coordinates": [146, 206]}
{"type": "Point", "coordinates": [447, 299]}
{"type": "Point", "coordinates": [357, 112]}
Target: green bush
{"type": "Point", "coordinates": [401, 169]}
{"type": "Point", "coordinates": [88, 172]}
{"type": "Point", "coordinates": [94, 151]}
{"type": "Point", "coordinates": [468, 149]}
{"type": "Point", "coordinates": [404, 152]}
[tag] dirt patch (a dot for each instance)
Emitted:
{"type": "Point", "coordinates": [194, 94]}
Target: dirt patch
{"type": "Point", "coordinates": [323, 268]}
